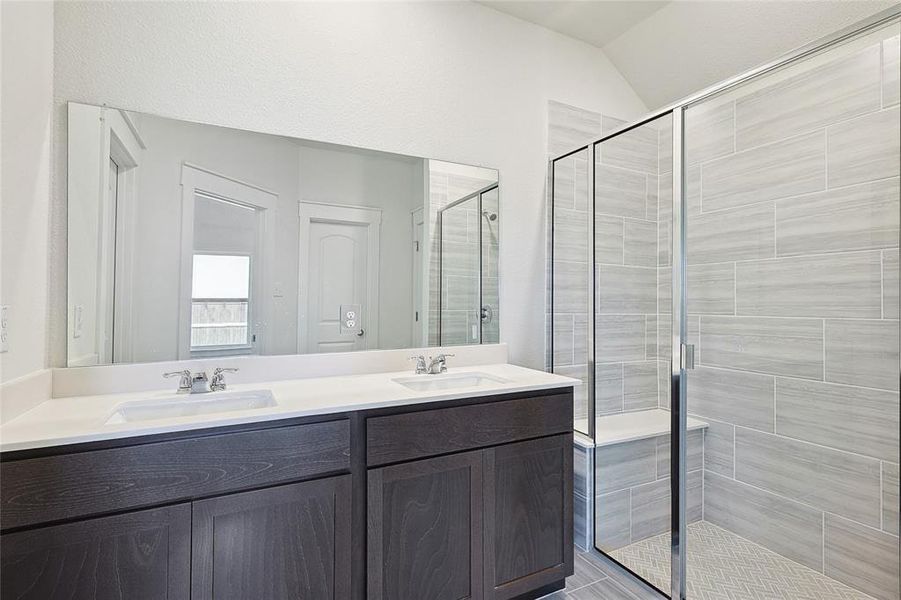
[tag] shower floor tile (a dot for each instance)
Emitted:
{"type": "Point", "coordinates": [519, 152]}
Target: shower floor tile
{"type": "Point", "coordinates": [724, 566]}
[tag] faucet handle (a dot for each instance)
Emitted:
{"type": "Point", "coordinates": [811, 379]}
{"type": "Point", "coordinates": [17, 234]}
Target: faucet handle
{"type": "Point", "coordinates": [217, 383]}
{"type": "Point", "coordinates": [420, 364]}
{"type": "Point", "coordinates": [184, 382]}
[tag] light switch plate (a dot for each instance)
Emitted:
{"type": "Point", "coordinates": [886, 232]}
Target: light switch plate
{"type": "Point", "coordinates": [4, 328]}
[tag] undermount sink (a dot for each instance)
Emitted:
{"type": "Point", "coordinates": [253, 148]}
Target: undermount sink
{"type": "Point", "coordinates": [190, 405]}
{"type": "Point", "coordinates": [450, 381]}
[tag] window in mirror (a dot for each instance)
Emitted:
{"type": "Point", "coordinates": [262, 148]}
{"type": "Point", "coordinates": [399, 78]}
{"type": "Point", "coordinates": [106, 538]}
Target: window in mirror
{"type": "Point", "coordinates": [220, 302]}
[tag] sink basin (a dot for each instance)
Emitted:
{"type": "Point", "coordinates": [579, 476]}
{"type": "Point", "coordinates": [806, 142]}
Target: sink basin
{"type": "Point", "coordinates": [450, 381]}
{"type": "Point", "coordinates": [190, 405]}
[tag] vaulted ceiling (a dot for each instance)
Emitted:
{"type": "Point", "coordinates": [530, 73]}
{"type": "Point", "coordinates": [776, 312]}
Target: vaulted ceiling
{"type": "Point", "coordinates": [668, 50]}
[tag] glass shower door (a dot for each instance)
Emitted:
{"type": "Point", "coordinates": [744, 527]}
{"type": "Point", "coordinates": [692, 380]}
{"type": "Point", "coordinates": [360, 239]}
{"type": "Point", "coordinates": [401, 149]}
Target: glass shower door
{"type": "Point", "coordinates": [633, 326]}
{"type": "Point", "coordinates": [468, 270]}
{"type": "Point", "coordinates": [792, 220]}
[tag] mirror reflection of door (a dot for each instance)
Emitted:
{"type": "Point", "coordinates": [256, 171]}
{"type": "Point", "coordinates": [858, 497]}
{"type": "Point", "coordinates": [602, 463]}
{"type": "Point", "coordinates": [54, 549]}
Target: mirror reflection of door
{"type": "Point", "coordinates": [338, 279]}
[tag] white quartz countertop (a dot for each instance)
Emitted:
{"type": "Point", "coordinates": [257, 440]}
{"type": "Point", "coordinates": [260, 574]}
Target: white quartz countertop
{"type": "Point", "coordinates": [81, 419]}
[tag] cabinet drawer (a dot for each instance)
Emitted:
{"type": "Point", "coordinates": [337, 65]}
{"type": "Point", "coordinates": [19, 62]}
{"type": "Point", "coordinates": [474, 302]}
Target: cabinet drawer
{"type": "Point", "coordinates": [77, 485]}
{"type": "Point", "coordinates": [408, 436]}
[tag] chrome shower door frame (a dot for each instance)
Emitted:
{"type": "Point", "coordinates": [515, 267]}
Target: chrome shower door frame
{"type": "Point", "coordinates": [682, 352]}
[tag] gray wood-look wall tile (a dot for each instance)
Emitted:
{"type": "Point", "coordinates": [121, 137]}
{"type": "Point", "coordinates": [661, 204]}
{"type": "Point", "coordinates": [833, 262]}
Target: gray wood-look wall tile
{"type": "Point", "coordinates": [640, 243]}
{"type": "Point", "coordinates": [890, 284]}
{"type": "Point", "coordinates": [563, 339]}
{"type": "Point", "coordinates": [621, 466]}
{"type": "Point", "coordinates": [810, 98]}
{"type": "Point", "coordinates": [571, 286]}
{"type": "Point", "coordinates": [891, 71]}
{"type": "Point", "coordinates": [608, 236]}
{"type": "Point", "coordinates": [619, 338]}
{"type": "Point", "coordinates": [833, 285]}
{"type": "Point", "coordinates": [608, 385]}
{"type": "Point", "coordinates": [651, 198]}
{"type": "Point", "coordinates": [635, 150]}
{"type": "Point", "coordinates": [736, 397]}
{"type": "Point", "coordinates": [860, 420]}
{"type": "Point", "coordinates": [745, 233]}
{"type": "Point", "coordinates": [709, 131]}
{"type": "Point", "coordinates": [693, 190]}
{"type": "Point", "coordinates": [620, 192]}
{"type": "Point", "coordinates": [694, 452]}
{"type": "Point", "coordinates": [664, 218]}
{"type": "Point", "coordinates": [790, 528]}
{"type": "Point", "coordinates": [663, 384]}
{"type": "Point", "coordinates": [612, 527]}
{"type": "Point", "coordinates": [857, 217]}
{"type": "Point", "coordinates": [563, 184]}
{"type": "Point", "coordinates": [651, 335]}
{"type": "Point", "coordinates": [651, 505]}
{"type": "Point", "coordinates": [864, 149]}
{"type": "Point", "coordinates": [570, 235]}
{"type": "Point", "coordinates": [626, 290]}
{"type": "Point", "coordinates": [830, 480]}
{"type": "Point", "coordinates": [890, 497]}
{"type": "Point", "coordinates": [580, 338]}
{"type": "Point", "coordinates": [864, 558]}
{"type": "Point", "coordinates": [863, 353]}
{"type": "Point", "coordinates": [719, 444]}
{"type": "Point", "coordinates": [710, 288]}
{"type": "Point", "coordinates": [639, 385]}
{"type": "Point", "coordinates": [580, 183]}
{"type": "Point", "coordinates": [778, 170]}
{"type": "Point", "coordinates": [569, 127]}
{"type": "Point", "coordinates": [665, 144]}
{"type": "Point", "coordinates": [790, 347]}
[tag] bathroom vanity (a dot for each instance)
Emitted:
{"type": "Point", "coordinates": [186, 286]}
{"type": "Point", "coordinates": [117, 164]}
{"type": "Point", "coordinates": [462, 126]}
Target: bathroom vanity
{"type": "Point", "coordinates": [437, 494]}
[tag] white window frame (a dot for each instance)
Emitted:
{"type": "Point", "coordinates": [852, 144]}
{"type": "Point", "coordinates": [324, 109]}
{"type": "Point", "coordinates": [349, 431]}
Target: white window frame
{"type": "Point", "coordinates": [252, 301]}
{"type": "Point", "coordinates": [194, 180]}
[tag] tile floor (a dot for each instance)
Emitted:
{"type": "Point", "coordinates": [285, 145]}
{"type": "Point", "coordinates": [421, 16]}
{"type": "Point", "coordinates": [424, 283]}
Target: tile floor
{"type": "Point", "coordinates": [724, 566]}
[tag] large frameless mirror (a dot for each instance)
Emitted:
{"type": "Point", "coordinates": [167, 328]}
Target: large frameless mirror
{"type": "Point", "coordinates": [189, 240]}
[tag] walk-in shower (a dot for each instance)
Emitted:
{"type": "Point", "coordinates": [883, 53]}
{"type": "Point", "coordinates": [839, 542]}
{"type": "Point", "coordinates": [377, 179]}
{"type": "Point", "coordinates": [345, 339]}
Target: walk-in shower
{"type": "Point", "coordinates": [724, 280]}
{"type": "Point", "coordinates": [467, 269]}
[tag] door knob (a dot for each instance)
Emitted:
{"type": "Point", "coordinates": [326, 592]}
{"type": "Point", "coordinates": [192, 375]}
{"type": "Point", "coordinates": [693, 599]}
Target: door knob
{"type": "Point", "coordinates": [360, 334]}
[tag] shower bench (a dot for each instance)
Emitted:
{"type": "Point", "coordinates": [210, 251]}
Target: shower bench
{"type": "Point", "coordinates": [631, 460]}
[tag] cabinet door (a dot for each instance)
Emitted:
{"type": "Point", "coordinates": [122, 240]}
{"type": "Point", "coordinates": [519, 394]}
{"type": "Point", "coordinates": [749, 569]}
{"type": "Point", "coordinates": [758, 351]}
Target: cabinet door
{"type": "Point", "coordinates": [143, 555]}
{"type": "Point", "coordinates": [528, 515]}
{"type": "Point", "coordinates": [290, 541]}
{"type": "Point", "coordinates": [425, 529]}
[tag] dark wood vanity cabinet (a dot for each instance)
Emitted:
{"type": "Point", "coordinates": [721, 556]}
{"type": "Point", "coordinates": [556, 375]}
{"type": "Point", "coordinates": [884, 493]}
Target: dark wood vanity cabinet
{"type": "Point", "coordinates": [290, 541]}
{"type": "Point", "coordinates": [425, 529]}
{"type": "Point", "coordinates": [141, 555]}
{"type": "Point", "coordinates": [466, 499]}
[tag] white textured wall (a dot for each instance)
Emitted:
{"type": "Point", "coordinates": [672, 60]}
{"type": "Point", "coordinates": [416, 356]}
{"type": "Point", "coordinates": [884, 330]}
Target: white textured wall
{"type": "Point", "coordinates": [26, 29]}
{"type": "Point", "coordinates": [455, 81]}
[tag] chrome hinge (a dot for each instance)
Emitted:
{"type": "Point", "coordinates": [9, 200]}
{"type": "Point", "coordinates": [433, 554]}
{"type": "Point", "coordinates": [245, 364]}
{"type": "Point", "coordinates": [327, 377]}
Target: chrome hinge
{"type": "Point", "coordinates": [688, 356]}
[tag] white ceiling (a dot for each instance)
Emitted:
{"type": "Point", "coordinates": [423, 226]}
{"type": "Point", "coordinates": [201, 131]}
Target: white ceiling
{"type": "Point", "coordinates": [669, 50]}
{"type": "Point", "coordinates": [594, 21]}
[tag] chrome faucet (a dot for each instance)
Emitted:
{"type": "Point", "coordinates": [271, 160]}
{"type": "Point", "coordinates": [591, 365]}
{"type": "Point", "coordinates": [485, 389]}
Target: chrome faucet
{"type": "Point", "coordinates": [438, 364]}
{"type": "Point", "coordinates": [421, 367]}
{"type": "Point", "coordinates": [190, 383]}
{"type": "Point", "coordinates": [217, 384]}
